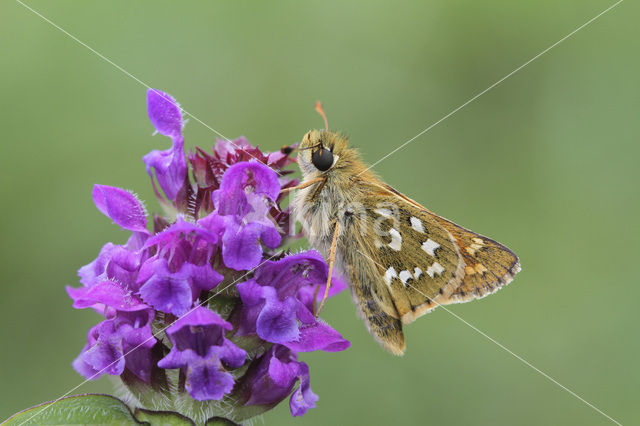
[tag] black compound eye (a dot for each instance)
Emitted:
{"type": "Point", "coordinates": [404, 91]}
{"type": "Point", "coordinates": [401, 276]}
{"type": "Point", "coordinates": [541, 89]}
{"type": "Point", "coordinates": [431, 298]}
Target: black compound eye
{"type": "Point", "coordinates": [322, 159]}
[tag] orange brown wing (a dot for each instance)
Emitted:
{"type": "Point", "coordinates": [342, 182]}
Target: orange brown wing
{"type": "Point", "coordinates": [489, 265]}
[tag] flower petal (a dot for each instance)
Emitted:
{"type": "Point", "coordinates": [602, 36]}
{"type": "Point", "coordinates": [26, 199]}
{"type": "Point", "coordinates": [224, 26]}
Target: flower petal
{"type": "Point", "coordinates": [170, 167]}
{"type": "Point", "coordinates": [164, 113]}
{"type": "Point", "coordinates": [277, 321]}
{"type": "Point", "coordinates": [104, 355]}
{"type": "Point", "coordinates": [303, 398]}
{"type": "Point", "coordinates": [241, 249]}
{"type": "Point", "coordinates": [167, 292]}
{"type": "Point", "coordinates": [106, 293]}
{"type": "Point", "coordinates": [251, 176]}
{"type": "Point", "coordinates": [206, 380]}
{"type": "Point", "coordinates": [181, 229]}
{"type": "Point", "coordinates": [203, 278]}
{"type": "Point", "coordinates": [318, 336]}
{"type": "Point", "coordinates": [121, 206]}
{"type": "Point", "coordinates": [271, 377]}
{"type": "Point", "coordinates": [199, 316]}
{"type": "Point", "coordinates": [90, 272]}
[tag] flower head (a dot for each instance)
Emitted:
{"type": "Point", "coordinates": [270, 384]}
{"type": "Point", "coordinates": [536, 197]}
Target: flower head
{"type": "Point", "coordinates": [205, 304]}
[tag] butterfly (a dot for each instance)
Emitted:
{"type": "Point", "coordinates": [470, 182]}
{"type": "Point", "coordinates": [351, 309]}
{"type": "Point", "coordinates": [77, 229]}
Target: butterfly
{"type": "Point", "coordinates": [401, 259]}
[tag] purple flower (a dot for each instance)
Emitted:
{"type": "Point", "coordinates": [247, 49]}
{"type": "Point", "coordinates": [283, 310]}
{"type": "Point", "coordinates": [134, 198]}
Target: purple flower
{"type": "Point", "coordinates": [121, 206]}
{"type": "Point", "coordinates": [277, 306]}
{"type": "Point", "coordinates": [203, 353]}
{"type": "Point", "coordinates": [180, 270]}
{"type": "Point", "coordinates": [167, 291]}
{"type": "Point", "coordinates": [209, 168]}
{"type": "Point", "coordinates": [107, 294]}
{"type": "Point", "coordinates": [271, 378]}
{"type": "Point", "coordinates": [170, 165]}
{"type": "Point", "coordinates": [175, 321]}
{"type": "Point", "coordinates": [123, 341]}
{"type": "Point", "coordinates": [246, 194]}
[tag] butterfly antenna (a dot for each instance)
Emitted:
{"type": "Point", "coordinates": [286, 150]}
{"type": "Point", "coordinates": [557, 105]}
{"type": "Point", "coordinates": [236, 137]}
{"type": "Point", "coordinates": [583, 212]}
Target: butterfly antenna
{"type": "Point", "coordinates": [324, 116]}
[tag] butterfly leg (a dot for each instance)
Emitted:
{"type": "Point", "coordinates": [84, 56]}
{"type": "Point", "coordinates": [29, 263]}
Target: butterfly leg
{"type": "Point", "coordinates": [303, 184]}
{"type": "Point", "coordinates": [332, 258]}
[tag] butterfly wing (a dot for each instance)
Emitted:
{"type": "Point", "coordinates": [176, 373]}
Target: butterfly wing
{"type": "Point", "coordinates": [489, 265]}
{"type": "Point", "coordinates": [417, 259]}
{"type": "Point", "coordinates": [438, 262]}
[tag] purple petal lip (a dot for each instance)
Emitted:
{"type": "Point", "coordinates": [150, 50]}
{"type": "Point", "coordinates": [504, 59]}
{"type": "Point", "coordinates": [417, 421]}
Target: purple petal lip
{"type": "Point", "coordinates": [197, 317]}
{"type": "Point", "coordinates": [120, 206]}
{"type": "Point", "coordinates": [303, 398]}
{"type": "Point", "coordinates": [107, 293]}
{"type": "Point", "coordinates": [164, 113]}
{"type": "Point", "coordinates": [166, 291]}
{"type": "Point", "coordinates": [251, 176]}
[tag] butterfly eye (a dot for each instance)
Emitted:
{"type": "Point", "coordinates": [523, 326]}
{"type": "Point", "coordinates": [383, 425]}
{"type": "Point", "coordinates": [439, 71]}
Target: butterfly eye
{"type": "Point", "coordinates": [322, 159]}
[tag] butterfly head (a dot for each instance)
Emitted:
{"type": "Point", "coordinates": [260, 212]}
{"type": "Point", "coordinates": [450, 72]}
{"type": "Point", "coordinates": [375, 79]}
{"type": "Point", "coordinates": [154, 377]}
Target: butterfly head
{"type": "Point", "coordinates": [323, 153]}
{"type": "Point", "coordinates": [320, 151]}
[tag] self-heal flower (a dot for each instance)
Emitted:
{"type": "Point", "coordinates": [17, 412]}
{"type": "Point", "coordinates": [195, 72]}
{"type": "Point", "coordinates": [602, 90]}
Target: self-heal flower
{"type": "Point", "coordinates": [278, 304]}
{"type": "Point", "coordinates": [201, 351]}
{"type": "Point", "coordinates": [170, 165]}
{"type": "Point", "coordinates": [241, 214]}
{"type": "Point", "coordinates": [271, 379]}
{"type": "Point", "coordinates": [205, 313]}
{"type": "Point", "coordinates": [175, 276]}
{"type": "Point", "coordinates": [123, 340]}
{"type": "Point", "coordinates": [209, 168]}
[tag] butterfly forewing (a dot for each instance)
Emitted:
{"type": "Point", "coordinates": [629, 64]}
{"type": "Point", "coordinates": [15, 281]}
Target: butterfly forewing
{"type": "Point", "coordinates": [416, 257]}
{"type": "Point", "coordinates": [488, 265]}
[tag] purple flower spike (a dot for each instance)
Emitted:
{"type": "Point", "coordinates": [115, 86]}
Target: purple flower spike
{"type": "Point", "coordinates": [120, 206]}
{"type": "Point", "coordinates": [170, 165]}
{"type": "Point", "coordinates": [229, 348]}
{"type": "Point", "coordinates": [201, 351]}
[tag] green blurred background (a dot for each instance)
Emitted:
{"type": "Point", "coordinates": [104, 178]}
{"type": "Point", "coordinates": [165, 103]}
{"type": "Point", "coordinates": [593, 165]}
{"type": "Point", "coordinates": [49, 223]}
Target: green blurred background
{"type": "Point", "coordinates": [546, 162]}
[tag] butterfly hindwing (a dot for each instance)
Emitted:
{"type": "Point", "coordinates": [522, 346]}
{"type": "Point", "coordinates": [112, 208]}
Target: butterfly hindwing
{"type": "Point", "coordinates": [373, 299]}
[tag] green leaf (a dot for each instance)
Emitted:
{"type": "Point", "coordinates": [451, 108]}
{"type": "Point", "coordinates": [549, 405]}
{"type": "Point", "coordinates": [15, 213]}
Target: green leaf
{"type": "Point", "coordinates": [220, 421]}
{"type": "Point", "coordinates": [164, 418]}
{"type": "Point", "coordinates": [87, 409]}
